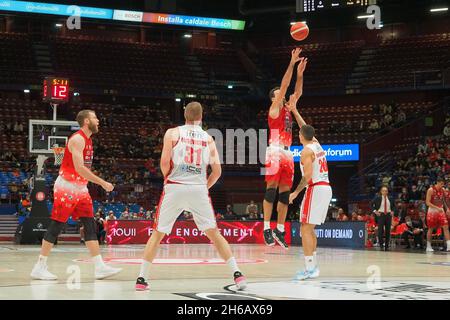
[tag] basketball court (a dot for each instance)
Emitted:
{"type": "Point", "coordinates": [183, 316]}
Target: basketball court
{"type": "Point", "coordinates": [195, 272]}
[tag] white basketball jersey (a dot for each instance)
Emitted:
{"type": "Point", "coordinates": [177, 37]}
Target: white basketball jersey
{"type": "Point", "coordinates": [319, 166]}
{"type": "Point", "coordinates": [190, 156]}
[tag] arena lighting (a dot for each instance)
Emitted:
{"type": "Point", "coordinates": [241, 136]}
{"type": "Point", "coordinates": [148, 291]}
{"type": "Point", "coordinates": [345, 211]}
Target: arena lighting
{"type": "Point", "coordinates": [333, 200]}
{"type": "Point", "coordinates": [294, 22]}
{"type": "Point", "coordinates": [187, 35]}
{"type": "Point", "coordinates": [178, 100]}
{"type": "Point", "coordinates": [366, 16]}
{"type": "Point", "coordinates": [26, 91]}
{"type": "Point", "coordinates": [76, 94]}
{"type": "Point", "coordinates": [438, 9]}
{"type": "Point", "coordinates": [58, 25]}
{"type": "Point", "coordinates": [230, 86]}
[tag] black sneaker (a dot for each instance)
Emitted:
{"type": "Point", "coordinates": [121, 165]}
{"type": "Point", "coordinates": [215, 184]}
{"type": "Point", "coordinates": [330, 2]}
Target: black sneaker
{"type": "Point", "coordinates": [279, 237]}
{"type": "Point", "coordinates": [240, 280]}
{"type": "Point", "coordinates": [268, 238]}
{"type": "Point", "coordinates": [141, 284]}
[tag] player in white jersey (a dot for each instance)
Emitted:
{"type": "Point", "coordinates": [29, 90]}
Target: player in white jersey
{"type": "Point", "coordinates": [317, 198]}
{"type": "Point", "coordinates": [187, 152]}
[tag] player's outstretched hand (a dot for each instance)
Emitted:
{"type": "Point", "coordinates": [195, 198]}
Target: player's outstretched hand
{"type": "Point", "coordinates": [302, 65]}
{"type": "Point", "coordinates": [295, 55]}
{"type": "Point", "coordinates": [108, 187]}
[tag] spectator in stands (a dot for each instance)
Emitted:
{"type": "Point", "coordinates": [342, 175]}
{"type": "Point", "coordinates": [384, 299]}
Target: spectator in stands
{"type": "Point", "coordinates": [404, 196]}
{"type": "Point", "coordinates": [135, 216]}
{"type": "Point", "coordinates": [252, 210]}
{"type": "Point", "coordinates": [125, 214]}
{"type": "Point", "coordinates": [347, 126]}
{"type": "Point", "coordinates": [414, 194]}
{"type": "Point", "coordinates": [446, 131]}
{"type": "Point", "coordinates": [415, 230]}
{"type": "Point", "coordinates": [341, 215]}
{"type": "Point", "coordinates": [219, 216]}
{"type": "Point", "coordinates": [148, 215]}
{"type": "Point", "coordinates": [388, 119]}
{"type": "Point", "coordinates": [111, 216]}
{"type": "Point", "coordinates": [355, 216]}
{"type": "Point", "coordinates": [383, 206]}
{"type": "Point", "coordinates": [374, 125]}
{"type": "Point", "coordinates": [401, 117]}
{"type": "Point", "coordinates": [141, 213]}
{"type": "Point", "coordinates": [229, 211]}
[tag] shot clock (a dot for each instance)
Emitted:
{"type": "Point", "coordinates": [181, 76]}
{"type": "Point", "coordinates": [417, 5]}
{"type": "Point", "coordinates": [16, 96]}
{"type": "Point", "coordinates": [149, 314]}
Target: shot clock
{"type": "Point", "coordinates": [55, 90]}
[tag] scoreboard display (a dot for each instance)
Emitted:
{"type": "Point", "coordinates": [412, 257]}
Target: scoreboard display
{"type": "Point", "coordinates": [317, 5]}
{"type": "Point", "coordinates": [55, 90]}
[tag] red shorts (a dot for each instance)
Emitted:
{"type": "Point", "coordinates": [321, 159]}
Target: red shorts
{"type": "Point", "coordinates": [279, 166]}
{"type": "Point", "coordinates": [436, 219]}
{"type": "Point", "coordinates": [70, 200]}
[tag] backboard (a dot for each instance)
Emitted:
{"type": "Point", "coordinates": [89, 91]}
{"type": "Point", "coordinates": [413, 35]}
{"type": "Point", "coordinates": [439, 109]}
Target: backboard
{"type": "Point", "coordinates": [45, 134]}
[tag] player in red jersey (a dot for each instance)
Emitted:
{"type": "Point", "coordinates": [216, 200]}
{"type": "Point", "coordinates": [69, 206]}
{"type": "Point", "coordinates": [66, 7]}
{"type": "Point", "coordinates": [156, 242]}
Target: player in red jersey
{"type": "Point", "coordinates": [436, 216]}
{"type": "Point", "coordinates": [279, 160]}
{"type": "Point", "coordinates": [71, 198]}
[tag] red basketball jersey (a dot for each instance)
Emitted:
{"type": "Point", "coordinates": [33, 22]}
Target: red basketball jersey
{"type": "Point", "coordinates": [67, 170]}
{"type": "Point", "coordinates": [281, 128]}
{"type": "Point", "coordinates": [437, 197]}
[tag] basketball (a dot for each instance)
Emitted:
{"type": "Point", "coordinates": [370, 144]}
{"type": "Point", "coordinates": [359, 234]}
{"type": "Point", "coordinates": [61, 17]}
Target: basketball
{"type": "Point", "coordinates": [299, 31]}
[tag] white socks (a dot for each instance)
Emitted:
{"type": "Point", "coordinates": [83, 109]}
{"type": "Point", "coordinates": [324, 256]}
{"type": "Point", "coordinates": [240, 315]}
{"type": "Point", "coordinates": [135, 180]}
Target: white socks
{"type": "Point", "coordinates": [309, 263]}
{"type": "Point", "coordinates": [98, 262]}
{"type": "Point", "coordinates": [315, 258]}
{"type": "Point", "coordinates": [448, 245]}
{"type": "Point", "coordinates": [42, 261]}
{"type": "Point", "coordinates": [280, 227]}
{"type": "Point", "coordinates": [233, 265]}
{"type": "Point", "coordinates": [428, 244]}
{"type": "Point", "coordinates": [144, 269]}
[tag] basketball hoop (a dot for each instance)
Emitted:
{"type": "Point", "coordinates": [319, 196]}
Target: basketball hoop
{"type": "Point", "coordinates": [59, 155]}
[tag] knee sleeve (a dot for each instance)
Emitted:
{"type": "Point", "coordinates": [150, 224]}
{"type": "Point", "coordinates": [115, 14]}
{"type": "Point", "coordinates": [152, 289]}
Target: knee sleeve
{"type": "Point", "coordinates": [53, 231]}
{"type": "Point", "coordinates": [90, 230]}
{"type": "Point", "coordinates": [270, 195]}
{"type": "Point", "coordinates": [284, 197]}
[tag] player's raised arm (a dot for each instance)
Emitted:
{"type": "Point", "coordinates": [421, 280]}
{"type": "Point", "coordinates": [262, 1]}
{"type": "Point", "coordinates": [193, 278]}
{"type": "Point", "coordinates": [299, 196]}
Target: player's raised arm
{"type": "Point", "coordinates": [277, 101]}
{"type": "Point", "coordinates": [166, 153]}
{"type": "Point", "coordinates": [307, 160]}
{"type": "Point", "coordinates": [76, 147]}
{"type": "Point", "coordinates": [292, 106]}
{"type": "Point", "coordinates": [298, 92]}
{"type": "Point", "coordinates": [214, 162]}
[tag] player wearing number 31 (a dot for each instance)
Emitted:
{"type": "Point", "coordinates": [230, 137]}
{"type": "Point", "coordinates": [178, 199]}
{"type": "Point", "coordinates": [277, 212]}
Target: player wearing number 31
{"type": "Point", "coordinates": [318, 194]}
{"type": "Point", "coordinates": [187, 152]}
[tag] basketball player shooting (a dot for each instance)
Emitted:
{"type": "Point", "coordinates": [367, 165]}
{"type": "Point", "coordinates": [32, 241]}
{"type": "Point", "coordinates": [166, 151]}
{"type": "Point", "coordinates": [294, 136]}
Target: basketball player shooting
{"type": "Point", "coordinates": [72, 198]}
{"type": "Point", "coordinates": [279, 160]}
{"type": "Point", "coordinates": [187, 152]}
{"type": "Point", "coordinates": [314, 207]}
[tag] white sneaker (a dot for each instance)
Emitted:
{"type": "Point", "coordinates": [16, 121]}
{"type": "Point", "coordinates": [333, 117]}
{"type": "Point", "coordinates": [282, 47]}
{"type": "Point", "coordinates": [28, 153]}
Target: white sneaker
{"type": "Point", "coordinates": [105, 272]}
{"type": "Point", "coordinates": [430, 249]}
{"type": "Point", "coordinates": [303, 275]}
{"type": "Point", "coordinates": [40, 272]}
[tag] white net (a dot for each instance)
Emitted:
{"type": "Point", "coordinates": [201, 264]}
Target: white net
{"type": "Point", "coordinates": [59, 155]}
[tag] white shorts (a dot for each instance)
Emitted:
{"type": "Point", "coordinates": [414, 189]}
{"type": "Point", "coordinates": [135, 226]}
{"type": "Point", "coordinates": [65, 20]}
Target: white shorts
{"type": "Point", "coordinates": [315, 204]}
{"type": "Point", "coordinates": [179, 197]}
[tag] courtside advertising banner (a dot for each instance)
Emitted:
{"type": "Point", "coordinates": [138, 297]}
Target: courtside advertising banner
{"type": "Point", "coordinates": [139, 231]}
{"type": "Point", "coordinates": [333, 152]}
{"type": "Point", "coordinates": [349, 234]}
